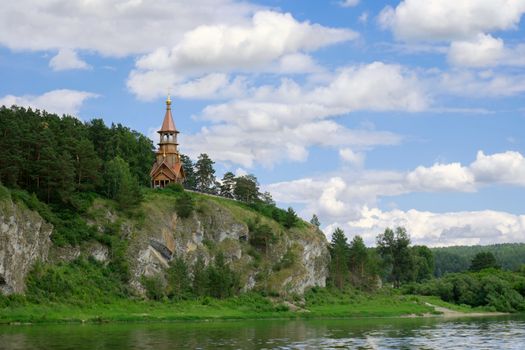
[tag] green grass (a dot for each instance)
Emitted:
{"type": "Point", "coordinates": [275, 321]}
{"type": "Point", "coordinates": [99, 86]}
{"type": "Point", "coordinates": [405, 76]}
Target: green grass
{"type": "Point", "coordinates": [247, 306]}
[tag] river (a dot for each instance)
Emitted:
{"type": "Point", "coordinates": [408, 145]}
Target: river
{"type": "Point", "coordinates": [506, 332]}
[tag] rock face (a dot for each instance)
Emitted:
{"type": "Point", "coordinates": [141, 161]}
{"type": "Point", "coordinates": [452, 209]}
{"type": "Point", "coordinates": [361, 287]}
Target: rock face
{"type": "Point", "coordinates": [24, 239]}
{"type": "Point", "coordinates": [222, 226]}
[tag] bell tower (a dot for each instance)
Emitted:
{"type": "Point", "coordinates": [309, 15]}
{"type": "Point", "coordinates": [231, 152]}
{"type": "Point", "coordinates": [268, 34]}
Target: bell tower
{"type": "Point", "coordinates": [167, 167]}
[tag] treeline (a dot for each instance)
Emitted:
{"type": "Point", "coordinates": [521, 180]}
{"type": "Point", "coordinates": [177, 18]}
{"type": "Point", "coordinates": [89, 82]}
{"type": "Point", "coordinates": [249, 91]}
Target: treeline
{"type": "Point", "coordinates": [394, 260]}
{"type": "Point", "coordinates": [58, 157]}
{"type": "Point", "coordinates": [482, 282]}
{"type": "Point", "coordinates": [510, 256]}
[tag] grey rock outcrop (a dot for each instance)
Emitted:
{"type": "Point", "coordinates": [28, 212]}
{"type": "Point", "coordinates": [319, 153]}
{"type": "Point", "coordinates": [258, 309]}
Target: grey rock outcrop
{"type": "Point", "coordinates": [215, 227]}
{"type": "Point", "coordinates": [24, 240]}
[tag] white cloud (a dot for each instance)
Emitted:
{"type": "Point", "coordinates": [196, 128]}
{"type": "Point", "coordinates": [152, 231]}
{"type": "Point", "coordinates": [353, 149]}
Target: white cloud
{"type": "Point", "coordinates": [450, 19]}
{"type": "Point", "coordinates": [67, 59]}
{"type": "Point", "coordinates": [441, 177]}
{"type": "Point", "coordinates": [441, 229]}
{"type": "Point", "coordinates": [345, 197]}
{"type": "Point", "coordinates": [507, 167]}
{"type": "Point", "coordinates": [484, 51]}
{"type": "Point", "coordinates": [353, 158]}
{"type": "Point", "coordinates": [271, 42]}
{"type": "Point", "coordinates": [481, 84]}
{"type": "Point", "coordinates": [111, 27]}
{"type": "Point", "coordinates": [349, 3]}
{"type": "Point", "coordinates": [56, 101]}
{"type": "Point", "coordinates": [274, 123]}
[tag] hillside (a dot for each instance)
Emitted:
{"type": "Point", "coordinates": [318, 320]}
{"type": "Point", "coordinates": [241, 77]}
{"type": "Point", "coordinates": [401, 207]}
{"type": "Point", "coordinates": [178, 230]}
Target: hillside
{"type": "Point", "coordinates": [139, 244]}
{"type": "Point", "coordinates": [510, 256]}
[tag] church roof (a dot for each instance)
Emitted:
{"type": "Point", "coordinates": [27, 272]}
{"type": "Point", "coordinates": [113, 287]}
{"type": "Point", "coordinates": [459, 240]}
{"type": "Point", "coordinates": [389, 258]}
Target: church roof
{"type": "Point", "coordinates": [168, 124]}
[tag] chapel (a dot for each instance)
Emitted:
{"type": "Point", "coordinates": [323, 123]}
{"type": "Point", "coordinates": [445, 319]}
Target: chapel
{"type": "Point", "coordinates": [167, 167]}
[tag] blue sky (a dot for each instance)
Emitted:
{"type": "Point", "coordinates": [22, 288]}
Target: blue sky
{"type": "Point", "coordinates": [368, 113]}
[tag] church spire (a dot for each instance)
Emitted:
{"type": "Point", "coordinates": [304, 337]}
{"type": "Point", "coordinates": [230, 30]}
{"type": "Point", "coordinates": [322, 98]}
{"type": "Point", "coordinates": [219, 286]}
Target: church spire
{"type": "Point", "coordinates": [168, 125]}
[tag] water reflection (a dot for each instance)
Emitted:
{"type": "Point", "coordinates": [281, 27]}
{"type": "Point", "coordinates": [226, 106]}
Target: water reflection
{"type": "Point", "coordinates": [501, 333]}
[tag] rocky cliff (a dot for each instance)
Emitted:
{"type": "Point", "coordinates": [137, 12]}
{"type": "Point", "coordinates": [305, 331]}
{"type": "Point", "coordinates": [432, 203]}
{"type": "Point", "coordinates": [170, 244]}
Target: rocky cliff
{"type": "Point", "coordinates": [294, 260]}
{"type": "Point", "coordinates": [218, 225]}
{"type": "Point", "coordinates": [24, 239]}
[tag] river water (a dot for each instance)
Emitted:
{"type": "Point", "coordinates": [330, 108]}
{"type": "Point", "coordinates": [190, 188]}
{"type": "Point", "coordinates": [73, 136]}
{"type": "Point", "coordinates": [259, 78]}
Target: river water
{"type": "Point", "coordinates": [476, 333]}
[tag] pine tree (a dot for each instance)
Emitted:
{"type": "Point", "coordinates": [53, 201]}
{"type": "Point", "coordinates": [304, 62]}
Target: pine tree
{"type": "Point", "coordinates": [315, 221]}
{"type": "Point", "coordinates": [179, 283]}
{"type": "Point", "coordinates": [205, 174]}
{"type": "Point", "coordinates": [190, 182]}
{"type": "Point", "coordinates": [290, 219]}
{"type": "Point", "coordinates": [246, 188]}
{"type": "Point", "coordinates": [200, 277]}
{"type": "Point", "coordinates": [339, 253]}
{"type": "Point", "coordinates": [358, 256]}
{"type": "Point", "coordinates": [227, 185]}
{"type": "Point", "coordinates": [394, 249]}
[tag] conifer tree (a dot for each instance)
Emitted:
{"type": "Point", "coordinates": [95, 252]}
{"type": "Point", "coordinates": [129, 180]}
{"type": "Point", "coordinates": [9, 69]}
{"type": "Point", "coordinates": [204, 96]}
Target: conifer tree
{"type": "Point", "coordinates": [200, 277]}
{"type": "Point", "coordinates": [315, 221]}
{"type": "Point", "coordinates": [204, 174]}
{"type": "Point", "coordinates": [227, 185]}
{"type": "Point", "coordinates": [339, 253]}
{"type": "Point", "coordinates": [179, 283]}
{"type": "Point", "coordinates": [190, 182]}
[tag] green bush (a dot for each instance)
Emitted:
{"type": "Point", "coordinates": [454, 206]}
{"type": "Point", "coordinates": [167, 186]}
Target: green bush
{"type": "Point", "coordinates": [501, 290]}
{"type": "Point", "coordinates": [174, 188]}
{"type": "Point", "coordinates": [184, 205]}
{"type": "Point", "coordinates": [154, 287]}
{"type": "Point", "coordinates": [80, 281]}
{"type": "Point", "coordinates": [4, 193]}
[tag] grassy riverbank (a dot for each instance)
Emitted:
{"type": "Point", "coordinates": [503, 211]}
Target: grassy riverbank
{"type": "Point", "coordinates": [249, 306]}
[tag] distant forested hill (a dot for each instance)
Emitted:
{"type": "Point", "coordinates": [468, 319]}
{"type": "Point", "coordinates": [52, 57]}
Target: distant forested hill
{"type": "Point", "coordinates": [456, 259]}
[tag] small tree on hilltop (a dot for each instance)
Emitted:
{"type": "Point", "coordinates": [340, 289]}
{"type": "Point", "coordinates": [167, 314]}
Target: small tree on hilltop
{"type": "Point", "coordinates": [246, 188]}
{"type": "Point", "coordinates": [205, 174]}
{"type": "Point", "coordinates": [315, 221]}
{"type": "Point", "coordinates": [227, 185]}
{"type": "Point", "coordinates": [290, 219]}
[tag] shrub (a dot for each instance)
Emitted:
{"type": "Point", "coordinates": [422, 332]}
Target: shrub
{"type": "Point", "coordinates": [154, 286]}
{"type": "Point", "coordinates": [184, 205]}
{"type": "Point", "coordinates": [174, 188]}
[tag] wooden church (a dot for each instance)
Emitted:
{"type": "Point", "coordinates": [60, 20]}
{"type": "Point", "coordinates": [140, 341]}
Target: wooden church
{"type": "Point", "coordinates": [167, 167]}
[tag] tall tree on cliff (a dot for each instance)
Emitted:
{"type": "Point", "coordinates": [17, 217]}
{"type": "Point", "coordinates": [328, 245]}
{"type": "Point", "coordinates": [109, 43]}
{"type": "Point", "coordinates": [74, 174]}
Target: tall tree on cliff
{"type": "Point", "coordinates": [227, 185]}
{"type": "Point", "coordinates": [205, 174]}
{"type": "Point", "coordinates": [246, 188]}
{"type": "Point", "coordinates": [190, 182]}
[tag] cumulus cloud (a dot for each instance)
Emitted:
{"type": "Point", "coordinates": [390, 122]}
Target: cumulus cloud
{"type": "Point", "coordinates": [441, 229]}
{"type": "Point", "coordinates": [465, 24]}
{"type": "Point", "coordinates": [274, 123]}
{"type": "Point", "coordinates": [272, 41]}
{"type": "Point", "coordinates": [481, 84]}
{"type": "Point", "coordinates": [450, 19]}
{"type": "Point", "coordinates": [441, 177]}
{"type": "Point", "coordinates": [56, 101]}
{"type": "Point", "coordinates": [484, 51]}
{"type": "Point", "coordinates": [350, 199]}
{"type": "Point", "coordinates": [507, 167]}
{"type": "Point", "coordinates": [111, 27]}
{"type": "Point", "coordinates": [67, 59]}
